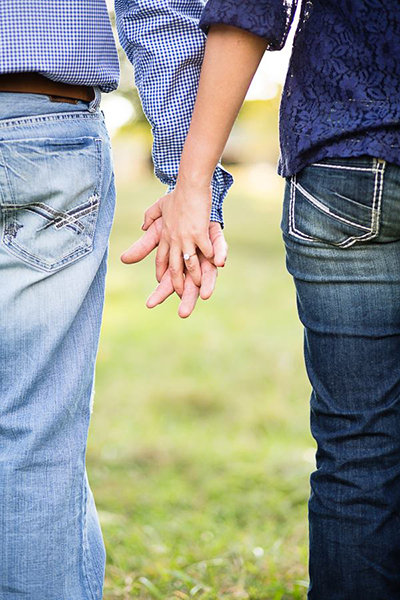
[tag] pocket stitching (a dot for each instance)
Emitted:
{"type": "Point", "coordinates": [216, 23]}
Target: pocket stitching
{"type": "Point", "coordinates": [327, 210]}
{"type": "Point", "coordinates": [31, 259]}
{"type": "Point", "coordinates": [326, 166]}
{"type": "Point", "coordinates": [28, 258]}
{"type": "Point", "coordinates": [379, 169]}
{"type": "Point", "coordinates": [39, 119]}
{"type": "Point", "coordinates": [292, 227]}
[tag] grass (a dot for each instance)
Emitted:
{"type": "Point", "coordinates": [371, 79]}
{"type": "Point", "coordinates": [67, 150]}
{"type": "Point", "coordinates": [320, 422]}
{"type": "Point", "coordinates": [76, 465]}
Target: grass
{"type": "Point", "coordinates": [199, 449]}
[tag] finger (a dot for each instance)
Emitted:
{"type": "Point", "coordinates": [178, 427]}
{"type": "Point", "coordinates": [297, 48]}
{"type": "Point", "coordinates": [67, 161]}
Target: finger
{"type": "Point", "coordinates": [219, 244]}
{"type": "Point", "coordinates": [151, 214]}
{"type": "Point", "coordinates": [176, 268]}
{"type": "Point", "coordinates": [208, 279]}
{"type": "Point", "coordinates": [192, 266]}
{"type": "Point", "coordinates": [189, 297]}
{"type": "Point", "coordinates": [205, 246]}
{"type": "Point", "coordinates": [162, 258]}
{"type": "Point", "coordinates": [162, 291]}
{"type": "Point", "coordinates": [144, 245]}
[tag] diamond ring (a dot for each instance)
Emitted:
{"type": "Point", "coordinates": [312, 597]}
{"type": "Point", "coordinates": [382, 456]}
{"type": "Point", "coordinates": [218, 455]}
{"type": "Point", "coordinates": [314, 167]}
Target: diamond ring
{"type": "Point", "coordinates": [186, 255]}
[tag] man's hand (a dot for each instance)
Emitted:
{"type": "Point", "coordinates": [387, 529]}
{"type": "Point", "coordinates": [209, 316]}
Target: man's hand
{"type": "Point", "coordinates": [185, 216]}
{"type": "Point", "coordinates": [191, 291]}
{"type": "Point", "coordinates": [208, 269]}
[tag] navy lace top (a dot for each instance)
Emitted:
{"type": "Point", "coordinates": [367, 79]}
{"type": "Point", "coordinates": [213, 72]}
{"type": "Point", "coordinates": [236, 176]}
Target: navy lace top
{"type": "Point", "coordinates": [342, 91]}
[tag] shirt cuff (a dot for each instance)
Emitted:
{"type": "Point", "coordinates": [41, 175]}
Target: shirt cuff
{"type": "Point", "coordinates": [269, 19]}
{"type": "Point", "coordinates": [221, 182]}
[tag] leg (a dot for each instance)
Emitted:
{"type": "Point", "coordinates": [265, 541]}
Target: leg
{"type": "Point", "coordinates": [57, 199]}
{"type": "Point", "coordinates": [346, 268]}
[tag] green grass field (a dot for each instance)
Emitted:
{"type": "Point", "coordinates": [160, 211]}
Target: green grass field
{"type": "Point", "coordinates": [199, 449]}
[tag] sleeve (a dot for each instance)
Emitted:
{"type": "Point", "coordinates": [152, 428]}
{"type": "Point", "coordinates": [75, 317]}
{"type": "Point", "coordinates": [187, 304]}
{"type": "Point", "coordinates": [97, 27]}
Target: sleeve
{"type": "Point", "coordinates": [269, 19]}
{"type": "Point", "coordinates": [163, 41]}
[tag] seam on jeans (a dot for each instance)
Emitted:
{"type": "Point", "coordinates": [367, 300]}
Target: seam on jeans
{"type": "Point", "coordinates": [6, 174]}
{"type": "Point", "coordinates": [31, 260]}
{"type": "Point", "coordinates": [100, 166]}
{"type": "Point", "coordinates": [380, 172]}
{"type": "Point", "coordinates": [85, 569]}
{"type": "Point", "coordinates": [59, 142]}
{"type": "Point", "coordinates": [292, 228]}
{"type": "Point", "coordinates": [72, 216]}
{"type": "Point", "coordinates": [379, 168]}
{"type": "Point", "coordinates": [368, 169]}
{"type": "Point", "coordinates": [326, 209]}
{"type": "Point", "coordinates": [4, 123]}
{"type": "Point", "coordinates": [58, 218]}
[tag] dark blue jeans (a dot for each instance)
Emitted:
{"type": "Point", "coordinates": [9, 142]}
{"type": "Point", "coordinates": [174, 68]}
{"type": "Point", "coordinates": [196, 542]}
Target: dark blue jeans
{"type": "Point", "coordinates": [341, 229]}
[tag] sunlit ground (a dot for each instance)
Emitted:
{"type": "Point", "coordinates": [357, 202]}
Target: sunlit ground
{"type": "Point", "coordinates": [199, 449]}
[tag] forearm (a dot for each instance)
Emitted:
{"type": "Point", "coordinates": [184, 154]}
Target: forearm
{"type": "Point", "coordinates": [231, 58]}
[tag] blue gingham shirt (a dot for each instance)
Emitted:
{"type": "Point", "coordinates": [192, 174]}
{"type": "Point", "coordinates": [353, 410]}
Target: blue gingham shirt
{"type": "Point", "coordinates": [72, 41]}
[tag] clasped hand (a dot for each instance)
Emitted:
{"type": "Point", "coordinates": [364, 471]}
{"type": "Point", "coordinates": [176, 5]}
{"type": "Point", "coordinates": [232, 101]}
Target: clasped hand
{"type": "Point", "coordinates": [178, 224]}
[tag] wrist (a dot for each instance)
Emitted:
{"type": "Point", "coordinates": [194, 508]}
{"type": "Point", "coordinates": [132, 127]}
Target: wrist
{"type": "Point", "coordinates": [192, 179]}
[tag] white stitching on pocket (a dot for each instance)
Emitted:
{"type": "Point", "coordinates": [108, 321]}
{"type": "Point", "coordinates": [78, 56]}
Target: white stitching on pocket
{"type": "Point", "coordinates": [292, 227]}
{"type": "Point", "coordinates": [368, 169]}
{"type": "Point", "coordinates": [60, 219]}
{"type": "Point", "coordinates": [328, 211]}
{"type": "Point", "coordinates": [372, 231]}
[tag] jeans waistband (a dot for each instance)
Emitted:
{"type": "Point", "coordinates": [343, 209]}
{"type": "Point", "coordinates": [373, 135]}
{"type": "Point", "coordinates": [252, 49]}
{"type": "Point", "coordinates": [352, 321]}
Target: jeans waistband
{"type": "Point", "coordinates": [15, 104]}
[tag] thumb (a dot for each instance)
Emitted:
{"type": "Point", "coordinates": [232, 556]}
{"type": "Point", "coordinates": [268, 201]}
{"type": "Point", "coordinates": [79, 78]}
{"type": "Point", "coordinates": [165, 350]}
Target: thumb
{"type": "Point", "coordinates": [151, 214]}
{"type": "Point", "coordinates": [142, 247]}
{"type": "Point", "coordinates": [206, 247]}
{"type": "Point", "coordinates": [219, 244]}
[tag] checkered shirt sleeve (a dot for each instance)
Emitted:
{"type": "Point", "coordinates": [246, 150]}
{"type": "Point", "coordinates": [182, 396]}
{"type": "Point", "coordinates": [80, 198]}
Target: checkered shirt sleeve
{"type": "Point", "coordinates": [163, 41]}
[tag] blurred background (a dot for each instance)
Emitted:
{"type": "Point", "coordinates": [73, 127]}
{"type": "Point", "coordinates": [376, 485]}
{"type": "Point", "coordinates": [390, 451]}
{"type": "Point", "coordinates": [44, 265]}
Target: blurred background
{"type": "Point", "coordinates": [199, 450]}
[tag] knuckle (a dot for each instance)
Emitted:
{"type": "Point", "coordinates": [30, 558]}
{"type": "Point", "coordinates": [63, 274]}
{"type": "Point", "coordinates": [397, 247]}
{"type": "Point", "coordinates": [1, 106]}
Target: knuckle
{"type": "Point", "coordinates": [158, 226]}
{"type": "Point", "coordinates": [199, 234]}
{"type": "Point", "coordinates": [174, 271]}
{"type": "Point", "coordinates": [196, 234]}
{"type": "Point", "coordinates": [173, 239]}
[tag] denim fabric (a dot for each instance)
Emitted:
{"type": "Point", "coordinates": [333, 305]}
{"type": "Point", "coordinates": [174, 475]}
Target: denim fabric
{"type": "Point", "coordinates": [57, 203]}
{"type": "Point", "coordinates": [341, 230]}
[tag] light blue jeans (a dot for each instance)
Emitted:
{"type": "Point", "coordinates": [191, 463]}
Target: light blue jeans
{"type": "Point", "coordinates": [57, 204]}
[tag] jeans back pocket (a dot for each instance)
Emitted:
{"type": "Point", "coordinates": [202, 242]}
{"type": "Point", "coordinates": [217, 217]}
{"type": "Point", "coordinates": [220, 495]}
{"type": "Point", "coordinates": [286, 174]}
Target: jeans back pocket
{"type": "Point", "coordinates": [335, 201]}
{"type": "Point", "coordinates": [50, 195]}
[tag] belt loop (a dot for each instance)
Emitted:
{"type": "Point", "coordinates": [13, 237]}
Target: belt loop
{"type": "Point", "coordinates": [95, 103]}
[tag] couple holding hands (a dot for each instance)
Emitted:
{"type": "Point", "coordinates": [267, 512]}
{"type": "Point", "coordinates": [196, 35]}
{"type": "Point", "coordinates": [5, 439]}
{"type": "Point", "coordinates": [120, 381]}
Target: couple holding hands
{"type": "Point", "coordinates": [340, 156]}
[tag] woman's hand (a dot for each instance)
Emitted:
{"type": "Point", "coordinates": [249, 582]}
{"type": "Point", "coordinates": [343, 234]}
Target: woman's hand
{"type": "Point", "coordinates": [191, 292]}
{"type": "Point", "coordinates": [230, 61]}
{"type": "Point", "coordinates": [185, 231]}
